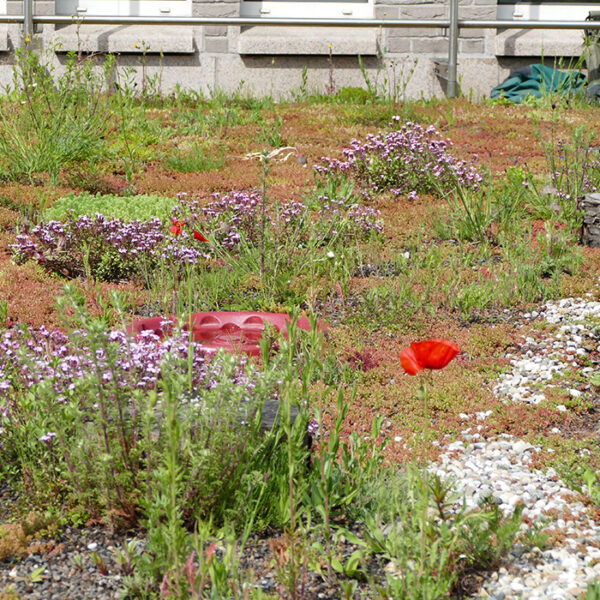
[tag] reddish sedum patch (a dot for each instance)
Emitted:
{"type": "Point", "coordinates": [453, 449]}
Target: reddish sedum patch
{"type": "Point", "coordinates": [21, 195]}
{"type": "Point", "coordinates": [26, 537]}
{"type": "Point", "coordinates": [155, 180]}
{"type": "Point", "coordinates": [6, 240]}
{"type": "Point", "coordinates": [31, 295]}
{"type": "Point", "coordinates": [8, 218]}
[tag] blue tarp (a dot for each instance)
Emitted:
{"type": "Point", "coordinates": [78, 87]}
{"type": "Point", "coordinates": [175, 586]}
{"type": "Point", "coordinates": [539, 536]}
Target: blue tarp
{"type": "Point", "coordinates": [538, 80]}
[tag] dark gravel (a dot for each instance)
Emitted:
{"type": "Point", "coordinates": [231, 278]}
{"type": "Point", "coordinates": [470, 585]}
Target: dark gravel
{"type": "Point", "coordinates": [77, 565]}
{"type": "Point", "coordinates": [82, 565]}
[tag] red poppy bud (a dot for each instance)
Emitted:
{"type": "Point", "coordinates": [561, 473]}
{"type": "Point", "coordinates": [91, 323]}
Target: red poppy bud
{"type": "Point", "coordinates": [200, 237]}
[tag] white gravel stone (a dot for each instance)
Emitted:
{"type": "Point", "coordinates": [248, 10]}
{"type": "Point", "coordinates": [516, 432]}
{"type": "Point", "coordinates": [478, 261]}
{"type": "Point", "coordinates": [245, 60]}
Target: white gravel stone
{"type": "Point", "coordinates": [501, 467]}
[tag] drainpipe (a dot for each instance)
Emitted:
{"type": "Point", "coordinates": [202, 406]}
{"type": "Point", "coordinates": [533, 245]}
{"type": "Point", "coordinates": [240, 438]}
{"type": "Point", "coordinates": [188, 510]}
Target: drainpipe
{"type": "Point", "coordinates": [452, 86]}
{"type": "Point", "coordinates": [28, 19]}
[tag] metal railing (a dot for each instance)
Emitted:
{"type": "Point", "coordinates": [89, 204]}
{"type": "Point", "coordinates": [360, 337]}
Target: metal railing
{"type": "Point", "coordinates": [453, 24]}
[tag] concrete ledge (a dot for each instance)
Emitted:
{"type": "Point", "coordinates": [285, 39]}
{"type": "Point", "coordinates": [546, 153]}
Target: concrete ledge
{"type": "Point", "coordinates": [539, 42]}
{"type": "Point", "coordinates": [130, 39]}
{"type": "Point", "coordinates": [306, 40]}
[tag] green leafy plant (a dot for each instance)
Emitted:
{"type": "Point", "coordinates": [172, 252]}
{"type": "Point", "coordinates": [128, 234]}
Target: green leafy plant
{"type": "Point", "coordinates": [593, 591]}
{"type": "Point", "coordinates": [126, 150]}
{"type": "Point", "coordinates": [354, 95]}
{"type": "Point", "coordinates": [302, 94]}
{"type": "Point", "coordinates": [391, 80]}
{"type": "Point", "coordinates": [270, 133]}
{"type": "Point", "coordinates": [412, 506]}
{"type": "Point", "coordinates": [334, 187]}
{"type": "Point", "coordinates": [488, 541]}
{"type": "Point", "coordinates": [573, 168]}
{"type": "Point", "coordinates": [37, 575]}
{"type": "Point", "coordinates": [495, 213]}
{"type": "Point", "coordinates": [594, 379]}
{"type": "Point", "coordinates": [204, 572]}
{"type": "Point", "coordinates": [197, 159]}
{"type": "Point", "coordinates": [51, 121]}
{"type": "Point", "coordinates": [592, 485]}
{"type": "Point", "coordinates": [415, 574]}
{"type": "Point", "coordinates": [392, 304]}
{"type": "Point", "coordinates": [3, 313]}
{"type": "Point", "coordinates": [150, 84]}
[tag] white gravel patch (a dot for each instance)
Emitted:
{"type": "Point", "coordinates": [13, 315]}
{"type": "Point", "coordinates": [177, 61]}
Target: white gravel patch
{"type": "Point", "coordinates": [501, 468]}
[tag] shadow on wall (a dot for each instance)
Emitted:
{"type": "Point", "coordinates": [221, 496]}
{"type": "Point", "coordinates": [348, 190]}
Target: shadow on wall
{"type": "Point", "coordinates": [338, 63]}
{"type": "Point", "coordinates": [152, 61]}
{"type": "Point", "coordinates": [507, 64]}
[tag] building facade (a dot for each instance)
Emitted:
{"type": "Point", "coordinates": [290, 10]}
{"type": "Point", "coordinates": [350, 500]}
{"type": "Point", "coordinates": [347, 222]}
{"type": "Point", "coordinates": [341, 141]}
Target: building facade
{"type": "Point", "coordinates": [275, 60]}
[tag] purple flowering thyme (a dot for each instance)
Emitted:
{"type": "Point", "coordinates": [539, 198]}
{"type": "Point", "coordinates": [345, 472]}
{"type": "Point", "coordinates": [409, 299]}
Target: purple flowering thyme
{"type": "Point", "coordinates": [408, 160]}
{"type": "Point", "coordinates": [107, 249]}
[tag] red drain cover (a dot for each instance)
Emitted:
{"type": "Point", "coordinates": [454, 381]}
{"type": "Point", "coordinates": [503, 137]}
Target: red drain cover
{"type": "Point", "coordinates": [233, 331]}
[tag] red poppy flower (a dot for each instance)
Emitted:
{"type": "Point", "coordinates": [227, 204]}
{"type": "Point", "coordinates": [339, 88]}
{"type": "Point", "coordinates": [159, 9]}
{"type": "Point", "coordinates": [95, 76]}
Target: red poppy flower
{"type": "Point", "coordinates": [429, 354]}
{"type": "Point", "coordinates": [200, 237]}
{"type": "Point", "coordinates": [177, 226]}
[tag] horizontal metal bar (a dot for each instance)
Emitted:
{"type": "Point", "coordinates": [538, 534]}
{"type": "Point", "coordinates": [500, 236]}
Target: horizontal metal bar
{"type": "Point", "coordinates": [518, 24]}
{"type": "Point", "coordinates": [266, 22]}
{"type": "Point", "coordinates": [12, 19]}
{"type": "Point", "coordinates": [236, 21]}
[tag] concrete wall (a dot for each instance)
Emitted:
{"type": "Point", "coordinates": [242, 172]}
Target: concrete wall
{"type": "Point", "coordinates": [267, 60]}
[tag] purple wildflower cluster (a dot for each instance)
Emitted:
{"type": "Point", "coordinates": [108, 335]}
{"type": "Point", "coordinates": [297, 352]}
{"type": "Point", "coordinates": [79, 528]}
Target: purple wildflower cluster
{"type": "Point", "coordinates": [109, 249]}
{"type": "Point", "coordinates": [28, 357]}
{"type": "Point", "coordinates": [409, 160]}
{"type": "Point", "coordinates": [575, 173]}
{"type": "Point", "coordinates": [119, 361]}
{"type": "Point", "coordinates": [227, 219]}
{"type": "Point", "coordinates": [237, 216]}
{"type": "Point", "coordinates": [233, 216]}
{"type": "Point", "coordinates": [114, 249]}
{"type": "Point", "coordinates": [292, 214]}
{"type": "Point", "coordinates": [351, 220]}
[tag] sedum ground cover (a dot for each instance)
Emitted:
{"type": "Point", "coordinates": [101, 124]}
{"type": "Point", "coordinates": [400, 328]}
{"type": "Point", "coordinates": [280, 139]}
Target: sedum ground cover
{"type": "Point", "coordinates": [390, 222]}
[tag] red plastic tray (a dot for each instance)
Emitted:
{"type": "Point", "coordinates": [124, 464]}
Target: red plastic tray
{"type": "Point", "coordinates": [233, 331]}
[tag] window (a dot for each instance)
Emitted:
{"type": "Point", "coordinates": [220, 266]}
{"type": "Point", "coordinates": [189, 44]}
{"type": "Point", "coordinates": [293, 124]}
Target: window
{"type": "Point", "coordinates": [308, 9]}
{"type": "Point", "coordinates": [549, 10]}
{"type": "Point", "coordinates": [146, 8]}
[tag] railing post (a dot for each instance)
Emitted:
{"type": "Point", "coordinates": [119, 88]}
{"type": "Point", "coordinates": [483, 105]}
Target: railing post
{"type": "Point", "coordinates": [452, 87]}
{"type": "Point", "coordinates": [27, 19]}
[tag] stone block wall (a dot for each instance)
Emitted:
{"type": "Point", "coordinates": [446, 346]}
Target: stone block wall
{"type": "Point", "coordinates": [216, 37]}
{"type": "Point", "coordinates": [431, 41]}
{"type": "Point", "coordinates": [272, 62]}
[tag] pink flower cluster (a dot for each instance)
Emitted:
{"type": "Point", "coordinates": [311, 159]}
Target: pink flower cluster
{"type": "Point", "coordinates": [29, 358]}
{"type": "Point", "coordinates": [108, 249]}
{"type": "Point", "coordinates": [405, 161]}
{"type": "Point", "coordinates": [238, 216]}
